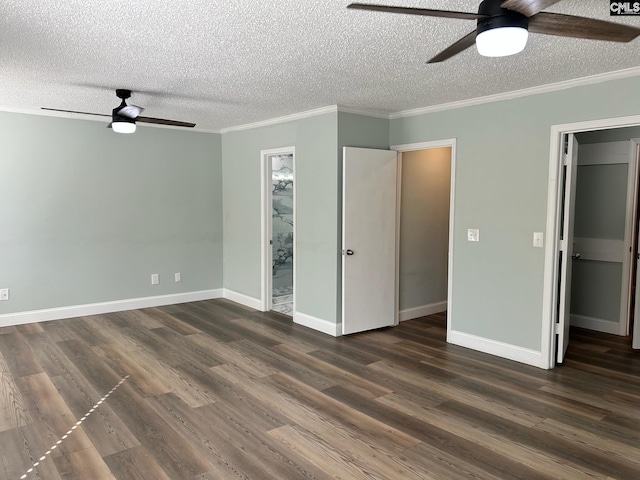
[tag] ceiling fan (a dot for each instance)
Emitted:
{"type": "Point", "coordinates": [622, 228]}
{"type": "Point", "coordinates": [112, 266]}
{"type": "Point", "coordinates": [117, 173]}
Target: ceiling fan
{"type": "Point", "coordinates": [124, 117]}
{"type": "Point", "coordinates": [503, 26]}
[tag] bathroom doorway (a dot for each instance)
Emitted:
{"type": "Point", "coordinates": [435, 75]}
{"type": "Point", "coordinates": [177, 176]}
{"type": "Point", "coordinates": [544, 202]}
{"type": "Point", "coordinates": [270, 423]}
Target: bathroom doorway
{"type": "Point", "coordinates": [278, 177]}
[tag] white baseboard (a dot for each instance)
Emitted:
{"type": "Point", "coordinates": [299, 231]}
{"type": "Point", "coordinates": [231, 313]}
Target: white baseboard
{"type": "Point", "coordinates": [324, 326]}
{"type": "Point", "coordinates": [423, 310]}
{"type": "Point", "coordinates": [597, 324]}
{"type": "Point", "coordinates": [20, 318]}
{"type": "Point", "coordinates": [499, 349]}
{"type": "Point", "coordinates": [242, 299]}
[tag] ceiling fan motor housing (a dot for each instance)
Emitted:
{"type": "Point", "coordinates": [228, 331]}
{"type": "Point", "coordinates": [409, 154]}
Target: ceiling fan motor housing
{"type": "Point", "coordinates": [498, 17]}
{"type": "Point", "coordinates": [123, 93]}
{"type": "Point", "coordinates": [116, 117]}
{"type": "Point", "coordinates": [115, 113]}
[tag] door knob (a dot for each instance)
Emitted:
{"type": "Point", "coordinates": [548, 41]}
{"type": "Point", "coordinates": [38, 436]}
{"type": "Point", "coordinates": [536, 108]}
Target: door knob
{"type": "Point", "coordinates": [349, 252]}
{"type": "Point", "coordinates": [576, 256]}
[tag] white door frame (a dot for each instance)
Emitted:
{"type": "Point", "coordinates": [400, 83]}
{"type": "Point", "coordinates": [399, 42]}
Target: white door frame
{"type": "Point", "coordinates": [266, 208]}
{"type": "Point", "coordinates": [409, 147]}
{"type": "Point", "coordinates": [554, 215]}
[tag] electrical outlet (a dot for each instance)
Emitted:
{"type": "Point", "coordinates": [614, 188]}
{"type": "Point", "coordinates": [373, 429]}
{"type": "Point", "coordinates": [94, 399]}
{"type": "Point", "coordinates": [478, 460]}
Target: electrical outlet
{"type": "Point", "coordinates": [178, 277]}
{"type": "Point", "coordinates": [4, 294]}
{"type": "Point", "coordinates": [155, 279]}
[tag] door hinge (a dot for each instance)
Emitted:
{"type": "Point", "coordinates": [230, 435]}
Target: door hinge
{"type": "Point", "coordinates": [563, 245]}
{"type": "Point", "coordinates": [557, 328]}
{"type": "Point", "coordinates": [565, 159]}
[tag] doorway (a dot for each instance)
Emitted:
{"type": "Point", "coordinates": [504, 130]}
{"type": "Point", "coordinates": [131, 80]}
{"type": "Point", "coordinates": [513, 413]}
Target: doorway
{"type": "Point", "coordinates": [278, 230]}
{"type": "Point", "coordinates": [604, 230]}
{"type": "Point", "coordinates": [425, 192]}
{"type": "Point", "coordinates": [425, 241]}
{"type": "Point", "coordinates": [416, 281]}
{"type": "Point", "coordinates": [586, 258]}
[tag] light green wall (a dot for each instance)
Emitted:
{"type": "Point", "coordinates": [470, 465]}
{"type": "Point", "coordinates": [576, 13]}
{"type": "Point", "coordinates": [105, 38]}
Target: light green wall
{"type": "Point", "coordinates": [316, 170]}
{"type": "Point", "coordinates": [501, 182]}
{"type": "Point", "coordinates": [424, 227]}
{"type": "Point", "coordinates": [88, 215]}
{"type": "Point", "coordinates": [362, 131]}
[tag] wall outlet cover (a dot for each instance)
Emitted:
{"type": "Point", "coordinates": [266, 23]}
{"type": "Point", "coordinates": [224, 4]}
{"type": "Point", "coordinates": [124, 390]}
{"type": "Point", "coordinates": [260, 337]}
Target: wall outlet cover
{"type": "Point", "coordinates": [4, 294]}
{"type": "Point", "coordinates": [538, 239]}
{"type": "Point", "coordinates": [155, 279]}
{"type": "Point", "coordinates": [178, 277]}
{"type": "Point", "coordinates": [473, 235]}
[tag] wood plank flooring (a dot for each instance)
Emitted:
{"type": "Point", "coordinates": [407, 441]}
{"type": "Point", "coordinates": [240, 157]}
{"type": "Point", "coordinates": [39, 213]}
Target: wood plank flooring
{"type": "Point", "coordinates": [213, 390]}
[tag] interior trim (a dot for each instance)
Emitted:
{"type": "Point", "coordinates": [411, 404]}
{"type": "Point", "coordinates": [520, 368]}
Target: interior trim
{"type": "Point", "coordinates": [242, 299]}
{"type": "Point", "coordinates": [283, 119]}
{"type": "Point", "coordinates": [551, 87]}
{"type": "Point", "coordinates": [318, 324]}
{"type": "Point", "coordinates": [500, 349]}
{"type": "Point", "coordinates": [423, 310]}
{"type": "Point", "coordinates": [43, 315]}
{"type": "Point", "coordinates": [597, 324]}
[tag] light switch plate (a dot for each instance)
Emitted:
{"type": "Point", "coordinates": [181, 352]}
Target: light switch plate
{"type": "Point", "coordinates": [473, 235]}
{"type": "Point", "coordinates": [538, 239]}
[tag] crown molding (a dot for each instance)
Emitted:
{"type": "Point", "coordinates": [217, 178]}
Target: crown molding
{"type": "Point", "coordinates": [551, 87]}
{"type": "Point", "coordinates": [283, 119]}
{"type": "Point", "coordinates": [364, 113]}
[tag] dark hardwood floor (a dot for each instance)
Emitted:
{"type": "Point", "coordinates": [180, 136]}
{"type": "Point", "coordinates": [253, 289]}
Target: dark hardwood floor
{"type": "Point", "coordinates": [213, 390]}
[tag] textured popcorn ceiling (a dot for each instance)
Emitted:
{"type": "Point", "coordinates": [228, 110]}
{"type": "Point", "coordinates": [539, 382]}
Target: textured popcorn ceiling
{"type": "Point", "coordinates": [227, 63]}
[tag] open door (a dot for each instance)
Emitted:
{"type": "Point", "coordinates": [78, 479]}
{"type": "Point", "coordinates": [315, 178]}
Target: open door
{"type": "Point", "coordinates": [635, 343]}
{"type": "Point", "coordinates": [368, 239]}
{"type": "Point", "coordinates": [566, 246]}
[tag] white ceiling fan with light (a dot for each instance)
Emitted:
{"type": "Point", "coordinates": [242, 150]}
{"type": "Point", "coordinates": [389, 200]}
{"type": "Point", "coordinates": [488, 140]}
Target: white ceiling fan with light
{"type": "Point", "coordinates": [503, 26]}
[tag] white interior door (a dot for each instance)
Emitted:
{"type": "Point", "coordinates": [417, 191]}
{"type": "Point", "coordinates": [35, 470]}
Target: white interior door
{"type": "Point", "coordinates": [571, 169]}
{"type": "Point", "coordinates": [603, 232]}
{"type": "Point", "coordinates": [368, 239]}
{"type": "Point", "coordinates": [636, 317]}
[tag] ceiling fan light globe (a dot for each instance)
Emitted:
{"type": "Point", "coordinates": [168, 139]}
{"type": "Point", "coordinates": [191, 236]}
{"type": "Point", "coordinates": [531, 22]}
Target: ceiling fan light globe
{"type": "Point", "coordinates": [123, 127]}
{"type": "Point", "coordinates": [502, 42]}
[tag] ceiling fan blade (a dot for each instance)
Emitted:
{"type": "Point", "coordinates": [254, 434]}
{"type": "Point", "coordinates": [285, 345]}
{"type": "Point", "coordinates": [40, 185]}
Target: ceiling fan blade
{"type": "Point", "coordinates": [73, 111]}
{"type": "Point", "coordinates": [528, 7]}
{"type": "Point", "coordinates": [456, 48]}
{"type": "Point", "coordinates": [416, 11]}
{"type": "Point", "coordinates": [160, 121]}
{"type": "Point", "coordinates": [130, 111]}
{"type": "Point", "coordinates": [581, 27]}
